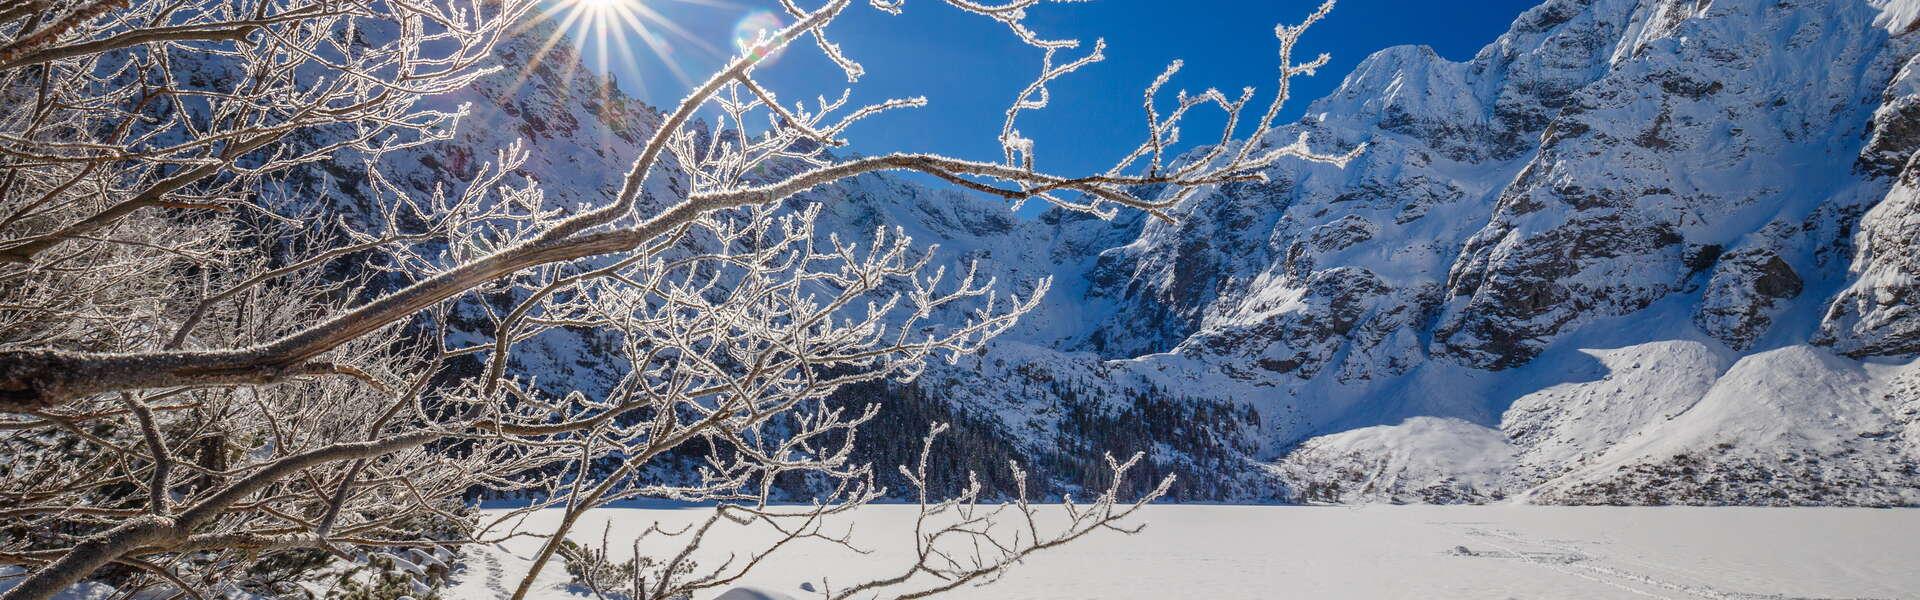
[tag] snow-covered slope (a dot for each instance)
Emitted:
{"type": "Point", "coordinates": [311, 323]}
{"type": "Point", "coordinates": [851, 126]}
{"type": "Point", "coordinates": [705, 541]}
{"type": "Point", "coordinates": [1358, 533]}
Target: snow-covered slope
{"type": "Point", "coordinates": [1634, 251]}
{"type": "Point", "coordinates": [1794, 425]}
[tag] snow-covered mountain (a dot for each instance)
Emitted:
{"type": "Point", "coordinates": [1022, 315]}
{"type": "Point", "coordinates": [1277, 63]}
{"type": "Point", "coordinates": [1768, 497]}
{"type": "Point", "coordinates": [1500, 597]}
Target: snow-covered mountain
{"type": "Point", "coordinates": [1634, 251]}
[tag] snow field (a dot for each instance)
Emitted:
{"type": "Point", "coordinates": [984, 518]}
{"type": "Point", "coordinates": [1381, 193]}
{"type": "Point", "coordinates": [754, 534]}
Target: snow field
{"type": "Point", "coordinates": [1219, 552]}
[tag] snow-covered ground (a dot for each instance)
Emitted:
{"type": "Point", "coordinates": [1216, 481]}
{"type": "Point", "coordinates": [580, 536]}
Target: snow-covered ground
{"type": "Point", "coordinates": [1261, 552]}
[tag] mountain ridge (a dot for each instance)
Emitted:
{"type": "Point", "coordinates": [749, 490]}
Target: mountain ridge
{"type": "Point", "coordinates": [1611, 182]}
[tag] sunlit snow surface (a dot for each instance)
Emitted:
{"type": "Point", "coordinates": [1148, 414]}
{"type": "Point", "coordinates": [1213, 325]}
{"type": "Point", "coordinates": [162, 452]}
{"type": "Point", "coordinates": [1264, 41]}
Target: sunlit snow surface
{"type": "Point", "coordinates": [1262, 552]}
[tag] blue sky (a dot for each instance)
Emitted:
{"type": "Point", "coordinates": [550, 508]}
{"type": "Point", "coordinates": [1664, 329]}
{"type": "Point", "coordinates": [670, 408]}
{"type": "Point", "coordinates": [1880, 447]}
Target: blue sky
{"type": "Point", "coordinates": [970, 68]}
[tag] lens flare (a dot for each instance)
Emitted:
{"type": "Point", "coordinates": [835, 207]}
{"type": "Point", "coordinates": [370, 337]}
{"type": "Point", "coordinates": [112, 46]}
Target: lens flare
{"type": "Point", "coordinates": [755, 33]}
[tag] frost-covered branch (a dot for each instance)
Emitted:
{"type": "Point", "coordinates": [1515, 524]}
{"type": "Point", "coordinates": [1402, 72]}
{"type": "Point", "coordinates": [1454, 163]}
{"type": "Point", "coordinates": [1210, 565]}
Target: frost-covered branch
{"type": "Point", "coordinates": [29, 379]}
{"type": "Point", "coordinates": [198, 382]}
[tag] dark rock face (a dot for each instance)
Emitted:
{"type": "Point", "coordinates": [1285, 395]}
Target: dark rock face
{"type": "Point", "coordinates": [1528, 291]}
{"type": "Point", "coordinates": [1303, 341]}
{"type": "Point", "coordinates": [1343, 233]}
{"type": "Point", "coordinates": [1875, 316]}
{"type": "Point", "coordinates": [1673, 145]}
{"type": "Point", "coordinates": [1741, 299]}
{"type": "Point", "coordinates": [1896, 126]}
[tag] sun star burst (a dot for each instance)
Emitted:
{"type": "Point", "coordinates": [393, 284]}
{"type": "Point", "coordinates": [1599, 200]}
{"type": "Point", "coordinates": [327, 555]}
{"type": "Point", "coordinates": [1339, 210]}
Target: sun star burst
{"type": "Point", "coordinates": [606, 31]}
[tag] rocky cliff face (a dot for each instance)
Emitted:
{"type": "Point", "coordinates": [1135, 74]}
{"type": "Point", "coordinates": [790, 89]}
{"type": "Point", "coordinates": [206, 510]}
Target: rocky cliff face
{"type": "Point", "coordinates": [1633, 251]}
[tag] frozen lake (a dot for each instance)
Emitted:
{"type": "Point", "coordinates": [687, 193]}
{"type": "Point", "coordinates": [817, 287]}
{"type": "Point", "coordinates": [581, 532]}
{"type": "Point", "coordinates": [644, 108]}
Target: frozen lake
{"type": "Point", "coordinates": [1262, 552]}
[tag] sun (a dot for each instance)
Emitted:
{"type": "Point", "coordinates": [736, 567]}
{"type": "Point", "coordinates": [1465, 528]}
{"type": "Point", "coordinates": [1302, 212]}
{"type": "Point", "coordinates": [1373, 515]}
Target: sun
{"type": "Point", "coordinates": [606, 31]}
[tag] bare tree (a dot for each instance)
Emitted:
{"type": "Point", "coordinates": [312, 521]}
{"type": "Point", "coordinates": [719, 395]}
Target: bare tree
{"type": "Point", "coordinates": [190, 386]}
